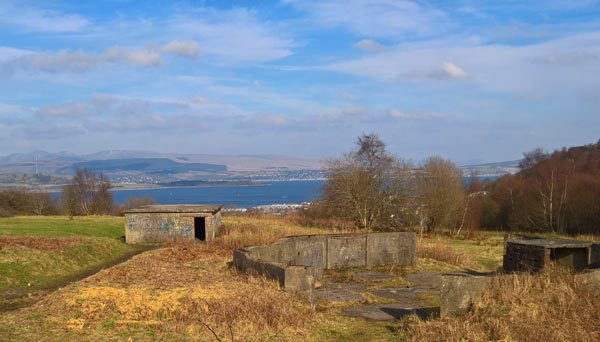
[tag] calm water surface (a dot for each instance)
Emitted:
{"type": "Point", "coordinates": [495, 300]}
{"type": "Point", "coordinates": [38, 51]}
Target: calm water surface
{"type": "Point", "coordinates": [239, 196]}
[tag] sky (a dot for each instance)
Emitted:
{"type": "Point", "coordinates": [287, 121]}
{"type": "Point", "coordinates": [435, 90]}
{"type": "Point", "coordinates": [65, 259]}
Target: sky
{"type": "Point", "coordinates": [473, 81]}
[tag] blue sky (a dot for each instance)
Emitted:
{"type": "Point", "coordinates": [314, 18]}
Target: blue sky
{"type": "Point", "coordinates": [466, 80]}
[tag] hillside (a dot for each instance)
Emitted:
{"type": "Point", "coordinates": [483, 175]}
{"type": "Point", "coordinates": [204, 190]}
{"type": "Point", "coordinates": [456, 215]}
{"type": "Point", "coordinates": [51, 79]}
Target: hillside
{"type": "Point", "coordinates": [159, 166]}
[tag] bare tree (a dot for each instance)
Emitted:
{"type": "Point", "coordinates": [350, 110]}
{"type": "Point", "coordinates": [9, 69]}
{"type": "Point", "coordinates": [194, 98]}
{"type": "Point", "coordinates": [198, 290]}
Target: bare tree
{"type": "Point", "coordinates": [367, 185]}
{"type": "Point", "coordinates": [87, 194]}
{"type": "Point", "coordinates": [532, 157]}
{"type": "Point", "coordinates": [439, 193]}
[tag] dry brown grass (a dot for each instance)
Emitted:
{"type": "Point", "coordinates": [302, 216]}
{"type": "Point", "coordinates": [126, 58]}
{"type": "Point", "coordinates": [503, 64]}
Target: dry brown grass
{"type": "Point", "coordinates": [40, 242]}
{"type": "Point", "coordinates": [178, 290]}
{"type": "Point", "coordinates": [185, 289]}
{"type": "Point", "coordinates": [550, 306]}
{"type": "Point", "coordinates": [334, 224]}
{"type": "Point", "coordinates": [439, 250]}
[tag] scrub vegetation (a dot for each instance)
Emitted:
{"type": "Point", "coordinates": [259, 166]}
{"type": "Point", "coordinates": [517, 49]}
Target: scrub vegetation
{"type": "Point", "coordinates": [187, 292]}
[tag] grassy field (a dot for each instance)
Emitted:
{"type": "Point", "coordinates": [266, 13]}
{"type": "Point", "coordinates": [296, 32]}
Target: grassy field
{"type": "Point", "coordinates": [38, 254]}
{"type": "Point", "coordinates": [188, 292]}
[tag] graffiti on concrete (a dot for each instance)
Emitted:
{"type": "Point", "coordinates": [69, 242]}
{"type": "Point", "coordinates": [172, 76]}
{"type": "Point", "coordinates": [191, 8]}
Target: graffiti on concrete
{"type": "Point", "coordinates": [138, 222]}
{"type": "Point", "coordinates": [163, 225]}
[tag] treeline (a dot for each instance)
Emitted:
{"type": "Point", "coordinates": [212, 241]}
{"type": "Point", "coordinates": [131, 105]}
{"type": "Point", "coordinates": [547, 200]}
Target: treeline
{"type": "Point", "coordinates": [557, 192]}
{"type": "Point", "coordinates": [379, 191]}
{"type": "Point", "coordinates": [554, 192]}
{"type": "Point", "coordinates": [87, 194]}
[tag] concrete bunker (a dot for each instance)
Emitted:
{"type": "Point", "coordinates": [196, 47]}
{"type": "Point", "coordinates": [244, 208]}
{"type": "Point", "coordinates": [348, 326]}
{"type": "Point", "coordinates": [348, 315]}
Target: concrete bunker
{"type": "Point", "coordinates": [297, 261]}
{"type": "Point", "coordinates": [157, 223]}
{"type": "Point", "coordinates": [531, 253]}
{"type": "Point", "coordinates": [522, 254]}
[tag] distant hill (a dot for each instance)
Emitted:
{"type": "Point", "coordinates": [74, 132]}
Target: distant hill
{"type": "Point", "coordinates": [16, 158]}
{"type": "Point", "coordinates": [492, 169]}
{"type": "Point", "coordinates": [48, 162]}
{"type": "Point", "coordinates": [153, 166]}
{"type": "Point", "coordinates": [29, 180]}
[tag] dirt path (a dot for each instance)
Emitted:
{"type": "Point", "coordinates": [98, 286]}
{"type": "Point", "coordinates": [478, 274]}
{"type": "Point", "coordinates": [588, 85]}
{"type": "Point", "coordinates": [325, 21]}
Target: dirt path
{"type": "Point", "coordinates": [12, 299]}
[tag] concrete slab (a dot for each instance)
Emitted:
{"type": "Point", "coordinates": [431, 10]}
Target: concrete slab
{"type": "Point", "coordinates": [370, 275]}
{"type": "Point", "coordinates": [340, 292]}
{"type": "Point", "coordinates": [425, 278]}
{"type": "Point", "coordinates": [388, 312]}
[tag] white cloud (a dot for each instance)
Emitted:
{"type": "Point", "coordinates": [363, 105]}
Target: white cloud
{"type": "Point", "coordinates": [569, 58]}
{"type": "Point", "coordinates": [269, 119]}
{"type": "Point", "coordinates": [69, 109]}
{"type": "Point", "coordinates": [375, 18]}
{"type": "Point", "coordinates": [236, 35]}
{"type": "Point", "coordinates": [6, 108]}
{"type": "Point", "coordinates": [143, 57]}
{"type": "Point", "coordinates": [200, 99]}
{"type": "Point", "coordinates": [50, 131]}
{"type": "Point", "coordinates": [497, 68]}
{"type": "Point", "coordinates": [369, 45]}
{"type": "Point", "coordinates": [64, 61]}
{"type": "Point", "coordinates": [448, 70]}
{"type": "Point", "coordinates": [40, 20]}
{"type": "Point", "coordinates": [414, 114]}
{"type": "Point", "coordinates": [518, 30]}
{"type": "Point", "coordinates": [183, 48]}
{"type": "Point", "coordinates": [353, 110]}
{"type": "Point", "coordinates": [80, 61]}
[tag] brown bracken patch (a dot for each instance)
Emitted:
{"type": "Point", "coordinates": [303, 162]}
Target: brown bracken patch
{"type": "Point", "coordinates": [40, 242]}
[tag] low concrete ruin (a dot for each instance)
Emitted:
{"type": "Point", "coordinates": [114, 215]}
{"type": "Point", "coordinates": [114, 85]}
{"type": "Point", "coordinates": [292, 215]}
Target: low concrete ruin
{"type": "Point", "coordinates": [459, 291]}
{"type": "Point", "coordinates": [157, 223]}
{"type": "Point", "coordinates": [297, 261]}
{"type": "Point", "coordinates": [532, 253]}
{"type": "Point", "coordinates": [522, 254]}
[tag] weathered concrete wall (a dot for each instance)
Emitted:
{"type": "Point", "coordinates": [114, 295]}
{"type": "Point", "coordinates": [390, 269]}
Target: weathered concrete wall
{"type": "Point", "coordinates": [459, 291]}
{"type": "Point", "coordinates": [158, 227]}
{"type": "Point", "coordinates": [311, 251]}
{"type": "Point", "coordinates": [297, 261]}
{"type": "Point", "coordinates": [347, 250]}
{"type": "Point", "coordinates": [518, 257]}
{"type": "Point", "coordinates": [391, 248]}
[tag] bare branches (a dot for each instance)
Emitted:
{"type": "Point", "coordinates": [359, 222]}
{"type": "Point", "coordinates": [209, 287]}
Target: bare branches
{"type": "Point", "coordinates": [87, 194]}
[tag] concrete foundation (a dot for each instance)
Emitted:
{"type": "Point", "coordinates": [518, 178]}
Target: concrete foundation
{"type": "Point", "coordinates": [297, 261]}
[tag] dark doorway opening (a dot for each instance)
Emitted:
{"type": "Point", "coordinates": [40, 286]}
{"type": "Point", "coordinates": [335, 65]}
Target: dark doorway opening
{"type": "Point", "coordinates": [200, 228]}
{"type": "Point", "coordinates": [576, 258]}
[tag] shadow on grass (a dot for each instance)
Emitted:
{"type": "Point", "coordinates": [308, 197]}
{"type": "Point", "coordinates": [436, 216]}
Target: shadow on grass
{"type": "Point", "coordinates": [16, 298]}
{"type": "Point", "coordinates": [423, 313]}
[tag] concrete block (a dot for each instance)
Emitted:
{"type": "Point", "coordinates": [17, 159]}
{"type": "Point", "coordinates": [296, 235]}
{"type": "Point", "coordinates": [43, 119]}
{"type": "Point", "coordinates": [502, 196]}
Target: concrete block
{"type": "Point", "coordinates": [407, 248]}
{"type": "Point", "coordinates": [346, 250]}
{"type": "Point", "coordinates": [311, 251]}
{"type": "Point", "coordinates": [281, 251]}
{"type": "Point", "coordinates": [300, 279]}
{"type": "Point", "coordinates": [459, 291]}
{"type": "Point", "coordinates": [382, 249]}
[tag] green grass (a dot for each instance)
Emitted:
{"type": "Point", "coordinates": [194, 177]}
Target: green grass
{"type": "Point", "coordinates": [20, 265]}
{"type": "Point", "coordinates": [78, 246]}
{"type": "Point", "coordinates": [56, 226]}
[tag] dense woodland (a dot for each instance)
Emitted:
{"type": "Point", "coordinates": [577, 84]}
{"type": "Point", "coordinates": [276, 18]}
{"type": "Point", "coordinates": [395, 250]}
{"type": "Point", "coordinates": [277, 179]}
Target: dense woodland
{"type": "Point", "coordinates": [555, 192]}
